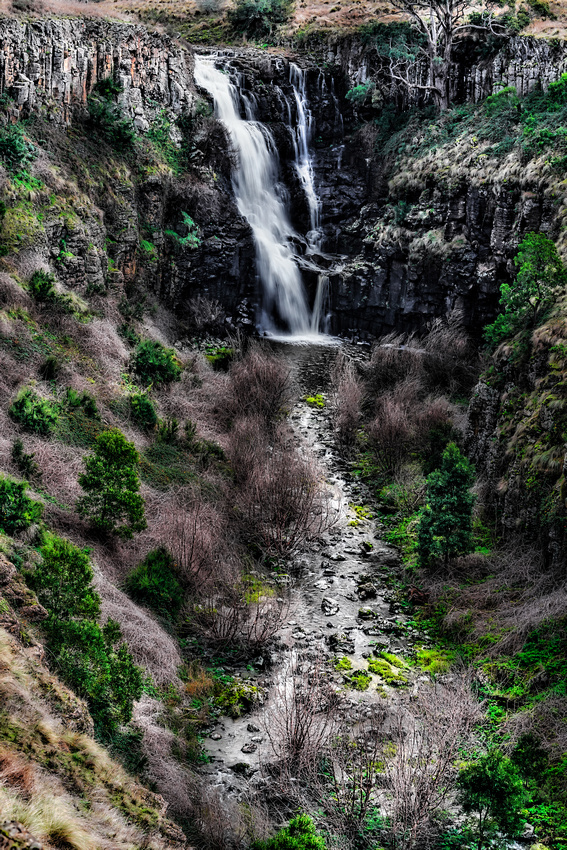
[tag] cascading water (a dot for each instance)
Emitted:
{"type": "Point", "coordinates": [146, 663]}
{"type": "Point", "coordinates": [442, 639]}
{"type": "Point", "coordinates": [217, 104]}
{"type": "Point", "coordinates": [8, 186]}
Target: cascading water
{"type": "Point", "coordinates": [255, 183]}
{"type": "Point", "coordinates": [301, 137]}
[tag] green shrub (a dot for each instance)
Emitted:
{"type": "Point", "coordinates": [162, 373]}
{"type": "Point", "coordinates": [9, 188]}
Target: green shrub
{"type": "Point", "coordinates": [35, 414]}
{"type": "Point", "coordinates": [42, 286]}
{"type": "Point", "coordinates": [192, 239]}
{"type": "Point", "coordinates": [143, 410]}
{"type": "Point", "coordinates": [97, 665]}
{"type": "Point", "coordinates": [167, 431]}
{"type": "Point", "coordinates": [257, 18]}
{"type": "Point", "coordinates": [111, 483]}
{"type": "Point", "coordinates": [17, 511]}
{"type": "Point", "coordinates": [505, 99]}
{"type": "Point", "coordinates": [299, 835]}
{"type": "Point", "coordinates": [108, 120]}
{"type": "Point", "coordinates": [16, 150]}
{"type": "Point", "coordinates": [63, 581]}
{"type": "Point", "coordinates": [91, 659]}
{"type": "Point", "coordinates": [153, 583]}
{"type": "Point", "coordinates": [84, 401]}
{"type": "Point", "coordinates": [24, 461]}
{"type": "Point", "coordinates": [155, 364]}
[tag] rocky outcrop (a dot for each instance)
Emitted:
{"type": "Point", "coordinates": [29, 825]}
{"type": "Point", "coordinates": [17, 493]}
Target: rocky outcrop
{"type": "Point", "coordinates": [51, 66]}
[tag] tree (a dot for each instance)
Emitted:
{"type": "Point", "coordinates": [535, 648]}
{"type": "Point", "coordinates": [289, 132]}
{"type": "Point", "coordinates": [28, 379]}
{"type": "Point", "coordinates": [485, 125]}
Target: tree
{"type": "Point", "coordinates": [541, 277]}
{"type": "Point", "coordinates": [445, 526]}
{"type": "Point", "coordinates": [63, 581]}
{"type": "Point", "coordinates": [439, 24]}
{"type": "Point", "coordinates": [111, 485]}
{"type": "Point", "coordinates": [17, 511]}
{"type": "Point", "coordinates": [492, 788]}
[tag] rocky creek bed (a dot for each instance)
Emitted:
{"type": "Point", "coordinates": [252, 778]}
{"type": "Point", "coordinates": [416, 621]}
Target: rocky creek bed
{"type": "Point", "coordinates": [343, 602]}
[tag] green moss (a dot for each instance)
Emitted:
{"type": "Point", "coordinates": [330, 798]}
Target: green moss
{"type": "Point", "coordinates": [317, 400]}
{"type": "Point", "coordinates": [359, 680]}
{"type": "Point", "coordinates": [394, 660]}
{"type": "Point", "coordinates": [435, 660]}
{"type": "Point", "coordinates": [21, 227]}
{"type": "Point", "coordinates": [343, 663]}
{"type": "Point", "coordinates": [386, 671]}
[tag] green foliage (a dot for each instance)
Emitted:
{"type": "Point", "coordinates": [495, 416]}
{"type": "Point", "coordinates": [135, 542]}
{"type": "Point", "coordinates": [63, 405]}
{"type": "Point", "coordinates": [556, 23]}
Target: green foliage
{"type": "Point", "coordinates": [49, 369]}
{"type": "Point", "coordinates": [63, 581]}
{"type": "Point", "coordinates": [111, 486]}
{"type": "Point", "coordinates": [502, 100]}
{"type": "Point", "coordinates": [91, 659]}
{"type": "Point", "coordinates": [492, 788]}
{"type": "Point", "coordinates": [155, 364]}
{"type": "Point", "coordinates": [97, 665]}
{"type": "Point", "coordinates": [42, 286]}
{"type": "Point", "coordinates": [17, 511]}
{"type": "Point", "coordinates": [84, 401]}
{"type": "Point", "coordinates": [342, 663]}
{"type": "Point", "coordinates": [167, 431]}
{"type": "Point", "coordinates": [153, 583]}
{"type": "Point", "coordinates": [34, 414]}
{"type": "Point", "coordinates": [445, 527]}
{"type": "Point", "coordinates": [258, 18]}
{"type": "Point", "coordinates": [107, 119]}
{"type": "Point", "coordinates": [541, 277]}
{"type": "Point", "coordinates": [25, 462]}
{"type": "Point", "coordinates": [360, 93]}
{"type": "Point", "coordinates": [300, 834]}
{"type": "Point", "coordinates": [143, 410]}
{"type": "Point", "coordinates": [192, 239]}
{"type": "Point", "coordinates": [529, 757]}
{"type": "Point", "coordinates": [317, 400]}
{"type": "Point", "coordinates": [435, 661]}
{"type": "Point", "coordinates": [16, 150]}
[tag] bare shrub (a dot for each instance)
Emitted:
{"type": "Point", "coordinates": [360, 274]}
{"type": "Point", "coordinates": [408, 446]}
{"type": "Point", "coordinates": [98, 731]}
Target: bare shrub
{"type": "Point", "coordinates": [428, 736]}
{"type": "Point", "coordinates": [196, 534]}
{"type": "Point", "coordinates": [283, 503]}
{"type": "Point", "coordinates": [395, 358]}
{"type": "Point", "coordinates": [451, 362]}
{"type": "Point", "coordinates": [302, 716]}
{"type": "Point", "coordinates": [16, 772]}
{"type": "Point", "coordinates": [247, 448]}
{"type": "Point", "coordinates": [545, 720]}
{"type": "Point", "coordinates": [206, 313]}
{"type": "Point", "coordinates": [233, 616]}
{"type": "Point", "coordinates": [391, 434]}
{"type": "Point", "coordinates": [11, 294]}
{"type": "Point", "coordinates": [346, 399]}
{"type": "Point", "coordinates": [258, 384]}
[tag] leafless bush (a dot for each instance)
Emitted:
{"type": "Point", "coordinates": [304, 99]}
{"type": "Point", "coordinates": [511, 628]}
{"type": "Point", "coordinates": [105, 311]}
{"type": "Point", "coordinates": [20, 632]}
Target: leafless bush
{"type": "Point", "coordinates": [395, 358]}
{"type": "Point", "coordinates": [347, 398]}
{"type": "Point", "coordinates": [283, 503]}
{"type": "Point", "coordinates": [247, 448]}
{"type": "Point", "coordinates": [451, 362]}
{"type": "Point", "coordinates": [428, 736]}
{"type": "Point", "coordinates": [391, 434]}
{"type": "Point", "coordinates": [407, 491]}
{"type": "Point", "coordinates": [302, 717]}
{"type": "Point", "coordinates": [196, 534]}
{"type": "Point", "coordinates": [258, 385]}
{"type": "Point", "coordinates": [546, 720]}
{"type": "Point", "coordinates": [12, 295]}
{"type": "Point", "coordinates": [237, 617]}
{"type": "Point", "coordinates": [206, 313]}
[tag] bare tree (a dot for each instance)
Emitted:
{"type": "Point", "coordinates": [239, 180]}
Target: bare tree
{"type": "Point", "coordinates": [439, 24]}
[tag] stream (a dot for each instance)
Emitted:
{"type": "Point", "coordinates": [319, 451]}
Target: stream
{"type": "Point", "coordinates": [340, 606]}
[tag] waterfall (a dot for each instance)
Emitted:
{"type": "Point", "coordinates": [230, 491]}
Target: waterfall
{"type": "Point", "coordinates": [255, 183]}
{"type": "Point", "coordinates": [301, 137]}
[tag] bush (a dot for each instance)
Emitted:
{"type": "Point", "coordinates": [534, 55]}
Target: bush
{"type": "Point", "coordinates": [42, 286]}
{"type": "Point", "coordinates": [299, 835]}
{"type": "Point", "coordinates": [63, 581]}
{"type": "Point", "coordinates": [155, 364]}
{"type": "Point", "coordinates": [111, 485]}
{"type": "Point", "coordinates": [24, 461]}
{"type": "Point", "coordinates": [85, 401]}
{"type": "Point", "coordinates": [16, 150]}
{"type": "Point", "coordinates": [153, 583]}
{"type": "Point", "coordinates": [257, 18]}
{"type": "Point", "coordinates": [17, 511]}
{"type": "Point", "coordinates": [259, 386]}
{"type": "Point", "coordinates": [92, 660]}
{"type": "Point", "coordinates": [143, 410]}
{"type": "Point", "coordinates": [108, 120]}
{"type": "Point", "coordinates": [35, 414]}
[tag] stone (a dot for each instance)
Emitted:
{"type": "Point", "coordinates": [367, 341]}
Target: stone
{"type": "Point", "coordinates": [252, 728]}
{"type": "Point", "coordinates": [249, 748]}
{"type": "Point", "coordinates": [329, 606]}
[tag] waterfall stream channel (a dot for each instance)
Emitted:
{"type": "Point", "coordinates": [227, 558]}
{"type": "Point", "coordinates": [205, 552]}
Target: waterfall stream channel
{"type": "Point", "coordinates": [343, 600]}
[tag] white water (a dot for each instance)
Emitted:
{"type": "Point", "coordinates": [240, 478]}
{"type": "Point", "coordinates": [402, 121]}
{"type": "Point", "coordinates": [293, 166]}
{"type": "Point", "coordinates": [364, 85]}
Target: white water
{"type": "Point", "coordinates": [301, 137]}
{"type": "Point", "coordinates": [255, 183]}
